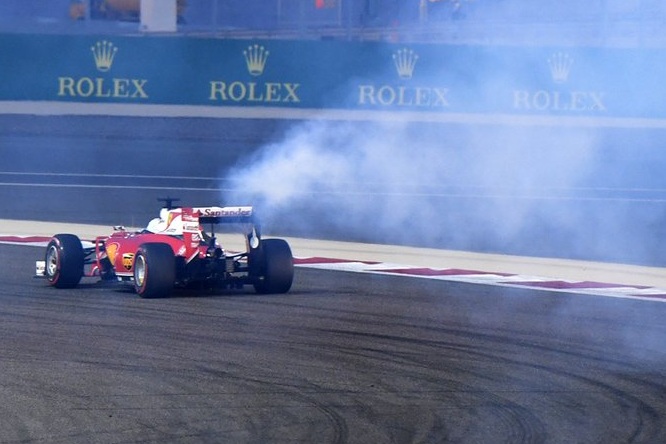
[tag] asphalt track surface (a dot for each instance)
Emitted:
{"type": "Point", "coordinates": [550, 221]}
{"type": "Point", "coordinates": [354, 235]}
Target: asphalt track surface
{"type": "Point", "coordinates": [344, 357]}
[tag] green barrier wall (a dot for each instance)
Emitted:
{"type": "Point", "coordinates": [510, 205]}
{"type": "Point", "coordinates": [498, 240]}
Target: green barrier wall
{"type": "Point", "coordinates": [466, 80]}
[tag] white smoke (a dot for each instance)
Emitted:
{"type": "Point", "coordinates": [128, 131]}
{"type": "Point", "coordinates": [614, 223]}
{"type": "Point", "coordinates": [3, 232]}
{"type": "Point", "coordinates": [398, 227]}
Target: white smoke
{"type": "Point", "coordinates": [455, 186]}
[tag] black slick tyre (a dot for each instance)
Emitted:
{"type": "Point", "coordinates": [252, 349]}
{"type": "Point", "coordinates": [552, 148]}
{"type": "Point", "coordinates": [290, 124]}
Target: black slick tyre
{"type": "Point", "coordinates": [274, 271]}
{"type": "Point", "coordinates": [154, 270]}
{"type": "Point", "coordinates": [64, 259]}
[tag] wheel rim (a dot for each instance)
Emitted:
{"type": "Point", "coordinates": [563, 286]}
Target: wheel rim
{"type": "Point", "coordinates": [139, 270]}
{"type": "Point", "coordinates": [52, 261]}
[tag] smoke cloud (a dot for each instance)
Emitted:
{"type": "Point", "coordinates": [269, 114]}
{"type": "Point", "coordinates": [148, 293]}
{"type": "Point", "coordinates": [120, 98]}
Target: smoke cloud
{"type": "Point", "coordinates": [522, 190]}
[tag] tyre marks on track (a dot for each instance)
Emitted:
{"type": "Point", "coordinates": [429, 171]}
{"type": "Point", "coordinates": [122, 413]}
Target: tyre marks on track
{"type": "Point", "coordinates": [342, 358]}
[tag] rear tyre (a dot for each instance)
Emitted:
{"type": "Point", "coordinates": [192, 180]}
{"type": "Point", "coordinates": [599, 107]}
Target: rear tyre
{"type": "Point", "coordinates": [64, 259]}
{"type": "Point", "coordinates": [274, 268]}
{"type": "Point", "coordinates": [154, 270]}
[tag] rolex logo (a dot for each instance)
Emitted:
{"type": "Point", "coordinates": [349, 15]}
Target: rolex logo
{"type": "Point", "coordinates": [255, 58]}
{"type": "Point", "coordinates": [560, 66]}
{"type": "Point", "coordinates": [405, 61]}
{"type": "Point", "coordinates": [104, 53]}
{"type": "Point", "coordinates": [102, 87]}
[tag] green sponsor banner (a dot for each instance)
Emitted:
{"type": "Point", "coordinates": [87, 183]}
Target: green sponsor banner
{"type": "Point", "coordinates": [335, 75]}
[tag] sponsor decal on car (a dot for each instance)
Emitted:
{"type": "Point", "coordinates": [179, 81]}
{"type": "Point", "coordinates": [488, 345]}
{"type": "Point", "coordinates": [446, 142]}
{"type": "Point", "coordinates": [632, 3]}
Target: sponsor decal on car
{"type": "Point", "coordinates": [225, 212]}
{"type": "Point", "coordinates": [128, 260]}
{"type": "Point", "coordinates": [111, 250]}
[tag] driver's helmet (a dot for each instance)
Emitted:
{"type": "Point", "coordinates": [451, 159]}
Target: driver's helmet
{"type": "Point", "coordinates": [170, 222]}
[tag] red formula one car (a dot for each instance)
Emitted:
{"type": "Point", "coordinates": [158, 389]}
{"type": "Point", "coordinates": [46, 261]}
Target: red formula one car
{"type": "Point", "coordinates": [174, 251]}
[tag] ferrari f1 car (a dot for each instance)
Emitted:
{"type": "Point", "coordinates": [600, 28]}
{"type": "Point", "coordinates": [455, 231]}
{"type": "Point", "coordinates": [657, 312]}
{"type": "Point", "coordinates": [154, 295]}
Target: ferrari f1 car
{"type": "Point", "coordinates": [175, 251]}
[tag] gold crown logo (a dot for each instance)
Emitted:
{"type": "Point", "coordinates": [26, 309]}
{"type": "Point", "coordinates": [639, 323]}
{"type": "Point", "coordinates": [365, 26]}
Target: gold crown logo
{"type": "Point", "coordinates": [560, 66]}
{"type": "Point", "coordinates": [255, 58]}
{"type": "Point", "coordinates": [405, 61]}
{"type": "Point", "coordinates": [104, 53]}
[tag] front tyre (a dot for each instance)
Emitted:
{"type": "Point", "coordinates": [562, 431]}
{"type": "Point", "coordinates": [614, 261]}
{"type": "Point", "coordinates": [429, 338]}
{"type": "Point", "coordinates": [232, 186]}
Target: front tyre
{"type": "Point", "coordinates": [154, 270]}
{"type": "Point", "coordinates": [64, 259]}
{"type": "Point", "coordinates": [274, 269]}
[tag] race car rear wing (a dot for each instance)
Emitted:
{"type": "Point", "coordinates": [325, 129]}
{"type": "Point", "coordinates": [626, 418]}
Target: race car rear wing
{"type": "Point", "coordinates": [224, 215]}
{"type": "Point", "coordinates": [193, 218]}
